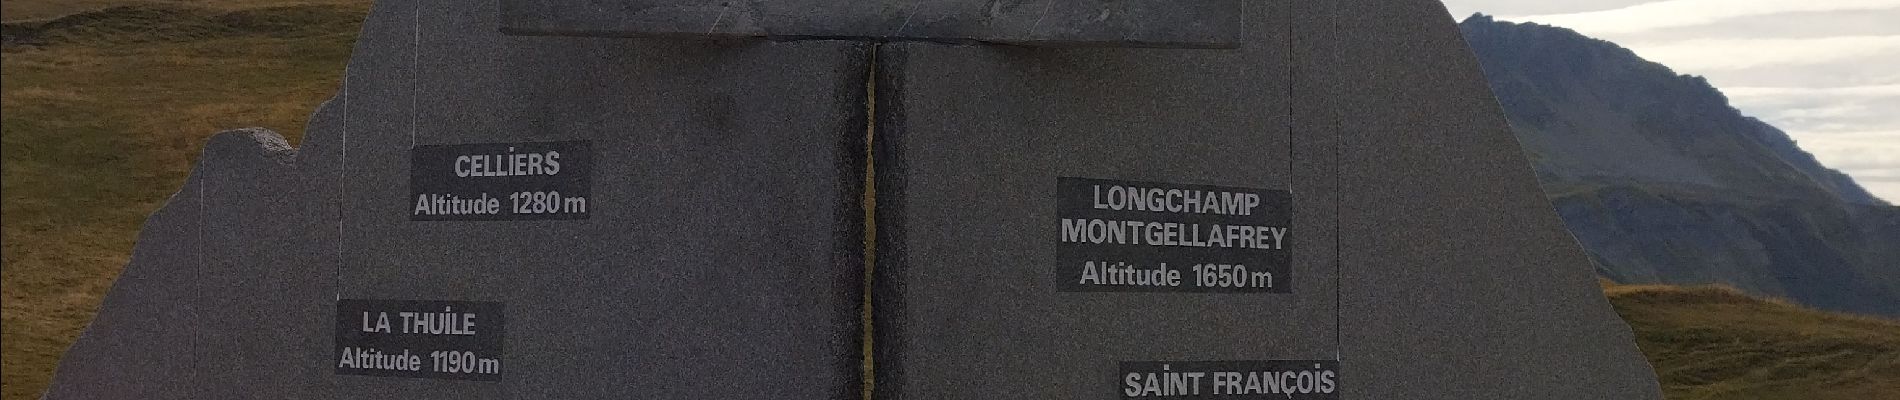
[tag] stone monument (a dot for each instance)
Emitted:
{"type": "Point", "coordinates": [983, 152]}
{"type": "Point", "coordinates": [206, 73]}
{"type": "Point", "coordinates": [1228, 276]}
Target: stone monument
{"type": "Point", "coordinates": [1216, 199]}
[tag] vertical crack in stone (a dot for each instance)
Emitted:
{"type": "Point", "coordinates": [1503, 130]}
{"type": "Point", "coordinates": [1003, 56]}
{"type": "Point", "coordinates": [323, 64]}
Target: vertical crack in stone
{"type": "Point", "coordinates": [869, 381]}
{"type": "Point", "coordinates": [415, 76]}
{"type": "Point", "coordinates": [342, 170]}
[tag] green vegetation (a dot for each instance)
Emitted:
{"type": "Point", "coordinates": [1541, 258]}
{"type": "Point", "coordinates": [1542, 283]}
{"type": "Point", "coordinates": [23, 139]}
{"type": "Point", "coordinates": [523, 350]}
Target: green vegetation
{"type": "Point", "coordinates": [105, 109]}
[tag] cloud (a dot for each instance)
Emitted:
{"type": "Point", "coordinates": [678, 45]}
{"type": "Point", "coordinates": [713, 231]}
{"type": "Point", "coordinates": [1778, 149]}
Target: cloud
{"type": "Point", "coordinates": [1866, 71]}
{"type": "Point", "coordinates": [1726, 53]}
{"type": "Point", "coordinates": [1821, 70]}
{"type": "Point", "coordinates": [1795, 25]}
{"type": "Point", "coordinates": [1462, 8]}
{"type": "Point", "coordinates": [1885, 189]}
{"type": "Point", "coordinates": [1680, 13]}
{"type": "Point", "coordinates": [1831, 92]}
{"type": "Point", "coordinates": [1870, 157]}
{"type": "Point", "coordinates": [1826, 110]}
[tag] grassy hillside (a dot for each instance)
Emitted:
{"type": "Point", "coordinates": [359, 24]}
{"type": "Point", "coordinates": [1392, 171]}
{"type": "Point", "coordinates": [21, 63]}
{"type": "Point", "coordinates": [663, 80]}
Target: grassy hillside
{"type": "Point", "coordinates": [104, 113]}
{"type": "Point", "coordinates": [21, 10]}
{"type": "Point", "coordinates": [1717, 343]}
{"type": "Point", "coordinates": [100, 125]}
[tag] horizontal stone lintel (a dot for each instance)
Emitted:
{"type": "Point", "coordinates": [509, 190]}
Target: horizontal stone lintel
{"type": "Point", "coordinates": [1214, 24]}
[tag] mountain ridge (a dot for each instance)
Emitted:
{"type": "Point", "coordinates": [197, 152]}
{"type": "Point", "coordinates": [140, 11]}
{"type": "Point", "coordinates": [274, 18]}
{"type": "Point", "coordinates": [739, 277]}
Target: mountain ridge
{"type": "Point", "coordinates": [1647, 94]}
{"type": "Point", "coordinates": [1663, 181]}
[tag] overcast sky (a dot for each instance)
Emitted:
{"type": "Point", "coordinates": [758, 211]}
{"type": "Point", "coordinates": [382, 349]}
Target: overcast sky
{"type": "Point", "coordinates": [1826, 71]}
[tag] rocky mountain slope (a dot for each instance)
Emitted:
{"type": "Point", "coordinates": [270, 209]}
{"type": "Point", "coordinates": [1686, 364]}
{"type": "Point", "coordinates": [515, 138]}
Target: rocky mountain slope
{"type": "Point", "coordinates": [1664, 182]}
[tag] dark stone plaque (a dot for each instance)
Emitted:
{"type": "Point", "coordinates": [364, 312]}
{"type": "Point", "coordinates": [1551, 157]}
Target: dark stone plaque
{"type": "Point", "coordinates": [421, 339]}
{"type": "Point", "coordinates": [1124, 236]}
{"type": "Point", "coordinates": [501, 181]}
{"type": "Point", "coordinates": [1113, 23]}
{"type": "Point", "coordinates": [1231, 380]}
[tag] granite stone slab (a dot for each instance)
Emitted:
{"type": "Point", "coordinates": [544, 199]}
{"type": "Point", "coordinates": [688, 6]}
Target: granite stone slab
{"type": "Point", "coordinates": [1426, 263]}
{"type": "Point", "coordinates": [715, 250]}
{"type": "Point", "coordinates": [980, 151]}
{"type": "Point", "coordinates": [1118, 23]}
{"type": "Point", "coordinates": [1458, 279]}
{"type": "Point", "coordinates": [222, 291]}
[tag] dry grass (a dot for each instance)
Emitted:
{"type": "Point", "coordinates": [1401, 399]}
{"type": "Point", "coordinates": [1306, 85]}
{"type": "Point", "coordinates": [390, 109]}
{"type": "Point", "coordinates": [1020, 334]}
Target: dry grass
{"type": "Point", "coordinates": [16, 10]}
{"type": "Point", "coordinates": [1712, 342]}
{"type": "Point", "coordinates": [98, 130]}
